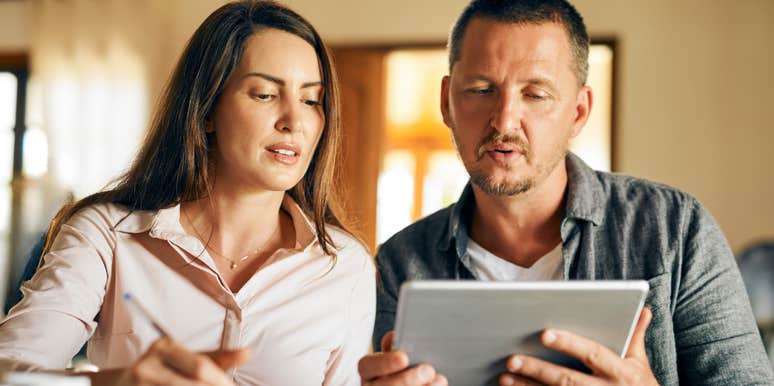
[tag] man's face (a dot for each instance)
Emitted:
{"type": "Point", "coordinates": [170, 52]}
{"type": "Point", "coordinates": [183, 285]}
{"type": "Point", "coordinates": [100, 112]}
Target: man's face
{"type": "Point", "coordinates": [513, 103]}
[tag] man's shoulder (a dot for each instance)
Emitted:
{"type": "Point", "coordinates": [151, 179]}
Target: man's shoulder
{"type": "Point", "coordinates": [626, 192]}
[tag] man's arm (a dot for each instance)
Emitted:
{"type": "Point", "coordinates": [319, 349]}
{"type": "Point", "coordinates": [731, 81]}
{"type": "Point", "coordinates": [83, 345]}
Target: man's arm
{"type": "Point", "coordinates": [715, 332]}
{"type": "Point", "coordinates": [386, 300]}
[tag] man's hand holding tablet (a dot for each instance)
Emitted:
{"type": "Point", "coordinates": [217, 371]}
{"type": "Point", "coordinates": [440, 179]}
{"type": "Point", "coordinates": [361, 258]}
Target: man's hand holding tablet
{"type": "Point", "coordinates": [477, 333]}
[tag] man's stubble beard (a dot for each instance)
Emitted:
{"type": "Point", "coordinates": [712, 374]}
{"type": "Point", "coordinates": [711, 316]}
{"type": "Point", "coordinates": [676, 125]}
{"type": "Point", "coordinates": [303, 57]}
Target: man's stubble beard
{"type": "Point", "coordinates": [505, 187]}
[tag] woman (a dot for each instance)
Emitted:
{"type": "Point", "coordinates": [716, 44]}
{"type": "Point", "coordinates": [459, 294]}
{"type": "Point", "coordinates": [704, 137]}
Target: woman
{"type": "Point", "coordinates": [223, 229]}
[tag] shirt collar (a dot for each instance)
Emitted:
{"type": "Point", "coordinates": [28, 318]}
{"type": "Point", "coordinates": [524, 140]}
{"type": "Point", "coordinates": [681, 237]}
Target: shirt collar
{"type": "Point", "coordinates": [460, 218]}
{"type": "Point", "coordinates": [165, 223]}
{"type": "Point", "coordinates": [584, 193]}
{"type": "Point", "coordinates": [306, 233]}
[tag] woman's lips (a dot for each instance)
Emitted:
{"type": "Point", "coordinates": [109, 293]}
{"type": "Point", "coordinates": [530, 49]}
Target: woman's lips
{"type": "Point", "coordinates": [287, 153]}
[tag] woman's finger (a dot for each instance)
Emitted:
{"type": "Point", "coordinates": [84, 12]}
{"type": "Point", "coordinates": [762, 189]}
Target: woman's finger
{"type": "Point", "coordinates": [151, 371]}
{"type": "Point", "coordinates": [196, 367]}
{"type": "Point", "coordinates": [228, 359]}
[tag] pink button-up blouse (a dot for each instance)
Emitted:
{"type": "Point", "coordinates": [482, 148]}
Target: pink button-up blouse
{"type": "Point", "coordinates": [306, 317]}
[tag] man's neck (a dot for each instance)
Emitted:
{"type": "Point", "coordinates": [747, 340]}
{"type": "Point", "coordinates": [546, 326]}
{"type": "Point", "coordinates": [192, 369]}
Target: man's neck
{"type": "Point", "coordinates": [524, 227]}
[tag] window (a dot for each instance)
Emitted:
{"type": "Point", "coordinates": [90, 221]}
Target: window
{"type": "Point", "coordinates": [13, 83]}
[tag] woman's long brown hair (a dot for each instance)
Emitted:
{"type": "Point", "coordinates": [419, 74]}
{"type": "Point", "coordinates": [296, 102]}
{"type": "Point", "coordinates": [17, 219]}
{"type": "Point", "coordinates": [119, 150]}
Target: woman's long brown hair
{"type": "Point", "coordinates": [173, 163]}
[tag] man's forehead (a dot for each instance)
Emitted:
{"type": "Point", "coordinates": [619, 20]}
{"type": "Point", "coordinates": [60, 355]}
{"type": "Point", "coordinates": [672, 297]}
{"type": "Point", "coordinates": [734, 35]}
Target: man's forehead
{"type": "Point", "coordinates": [488, 43]}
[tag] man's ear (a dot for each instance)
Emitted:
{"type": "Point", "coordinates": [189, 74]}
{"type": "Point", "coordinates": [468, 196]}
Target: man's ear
{"type": "Point", "coordinates": [445, 100]}
{"type": "Point", "coordinates": [583, 105]}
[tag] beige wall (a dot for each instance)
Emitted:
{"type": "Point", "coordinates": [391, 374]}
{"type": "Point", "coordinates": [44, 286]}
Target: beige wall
{"type": "Point", "coordinates": [694, 106]}
{"type": "Point", "coordinates": [696, 79]}
{"type": "Point", "coordinates": [696, 102]}
{"type": "Point", "coordinates": [14, 26]}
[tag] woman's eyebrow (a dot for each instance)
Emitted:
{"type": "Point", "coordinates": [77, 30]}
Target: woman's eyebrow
{"type": "Point", "coordinates": [279, 81]}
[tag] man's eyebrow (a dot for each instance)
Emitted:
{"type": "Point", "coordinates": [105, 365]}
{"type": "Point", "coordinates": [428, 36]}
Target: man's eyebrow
{"type": "Point", "coordinates": [481, 78]}
{"type": "Point", "coordinates": [279, 81]}
{"type": "Point", "coordinates": [539, 81]}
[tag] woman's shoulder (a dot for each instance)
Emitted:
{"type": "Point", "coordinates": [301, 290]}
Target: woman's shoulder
{"type": "Point", "coordinates": [349, 248]}
{"type": "Point", "coordinates": [100, 214]}
{"type": "Point", "coordinates": [110, 217]}
{"type": "Point", "coordinates": [345, 241]}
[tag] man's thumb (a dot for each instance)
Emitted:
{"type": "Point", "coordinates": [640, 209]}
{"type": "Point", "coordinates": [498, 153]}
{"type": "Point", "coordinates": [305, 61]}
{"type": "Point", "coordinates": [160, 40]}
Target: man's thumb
{"type": "Point", "coordinates": [637, 344]}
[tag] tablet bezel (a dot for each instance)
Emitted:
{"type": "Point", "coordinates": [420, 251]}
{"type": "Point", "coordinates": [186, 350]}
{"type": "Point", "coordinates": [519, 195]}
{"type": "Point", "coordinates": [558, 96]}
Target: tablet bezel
{"type": "Point", "coordinates": [638, 288]}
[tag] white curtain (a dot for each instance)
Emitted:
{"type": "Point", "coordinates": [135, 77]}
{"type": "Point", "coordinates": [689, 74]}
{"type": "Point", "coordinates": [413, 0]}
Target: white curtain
{"type": "Point", "coordinates": [97, 68]}
{"type": "Point", "coordinates": [89, 92]}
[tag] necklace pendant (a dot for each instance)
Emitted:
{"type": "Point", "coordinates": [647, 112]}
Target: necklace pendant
{"type": "Point", "coordinates": [233, 265]}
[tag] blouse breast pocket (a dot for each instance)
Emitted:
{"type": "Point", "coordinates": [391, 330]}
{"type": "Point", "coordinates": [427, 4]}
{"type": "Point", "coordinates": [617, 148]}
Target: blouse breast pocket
{"type": "Point", "coordinates": [115, 350]}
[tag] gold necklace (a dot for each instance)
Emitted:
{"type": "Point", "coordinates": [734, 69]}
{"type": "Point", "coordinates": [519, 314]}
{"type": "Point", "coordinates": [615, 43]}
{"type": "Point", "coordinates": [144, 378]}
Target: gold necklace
{"type": "Point", "coordinates": [233, 263]}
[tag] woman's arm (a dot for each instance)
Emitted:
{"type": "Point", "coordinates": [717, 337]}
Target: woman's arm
{"type": "Point", "coordinates": [60, 304]}
{"type": "Point", "coordinates": [57, 313]}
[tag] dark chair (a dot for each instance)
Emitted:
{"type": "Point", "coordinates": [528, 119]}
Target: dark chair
{"type": "Point", "coordinates": [756, 264]}
{"type": "Point", "coordinates": [33, 258]}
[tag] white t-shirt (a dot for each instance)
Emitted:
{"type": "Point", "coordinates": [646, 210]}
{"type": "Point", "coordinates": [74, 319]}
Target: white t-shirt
{"type": "Point", "coordinates": [488, 267]}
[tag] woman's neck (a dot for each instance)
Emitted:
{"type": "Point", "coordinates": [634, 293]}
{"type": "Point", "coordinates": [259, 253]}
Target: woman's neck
{"type": "Point", "coordinates": [236, 223]}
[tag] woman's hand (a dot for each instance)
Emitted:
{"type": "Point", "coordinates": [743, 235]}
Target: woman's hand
{"type": "Point", "coordinates": [168, 363]}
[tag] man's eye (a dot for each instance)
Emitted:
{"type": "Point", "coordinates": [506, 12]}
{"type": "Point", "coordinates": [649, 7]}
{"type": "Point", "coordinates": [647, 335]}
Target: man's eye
{"type": "Point", "coordinates": [481, 91]}
{"type": "Point", "coordinates": [537, 97]}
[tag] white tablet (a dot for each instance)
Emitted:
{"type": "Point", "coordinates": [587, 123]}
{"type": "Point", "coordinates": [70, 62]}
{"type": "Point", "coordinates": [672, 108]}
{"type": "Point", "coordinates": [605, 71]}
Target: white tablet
{"type": "Point", "coordinates": [468, 329]}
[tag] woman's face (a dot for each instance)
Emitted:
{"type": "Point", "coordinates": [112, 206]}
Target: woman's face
{"type": "Point", "coordinates": [269, 117]}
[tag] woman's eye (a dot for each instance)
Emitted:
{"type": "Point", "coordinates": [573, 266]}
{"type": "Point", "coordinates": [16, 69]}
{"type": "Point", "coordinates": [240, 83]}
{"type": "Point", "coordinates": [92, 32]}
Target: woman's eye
{"type": "Point", "coordinates": [263, 97]}
{"type": "Point", "coordinates": [311, 102]}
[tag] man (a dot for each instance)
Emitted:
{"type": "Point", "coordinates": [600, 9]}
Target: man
{"type": "Point", "coordinates": [514, 97]}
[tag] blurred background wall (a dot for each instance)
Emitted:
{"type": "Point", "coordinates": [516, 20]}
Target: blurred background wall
{"type": "Point", "coordinates": [693, 107]}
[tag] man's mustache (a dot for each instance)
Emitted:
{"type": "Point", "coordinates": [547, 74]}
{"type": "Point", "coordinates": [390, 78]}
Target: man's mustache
{"type": "Point", "coordinates": [495, 137]}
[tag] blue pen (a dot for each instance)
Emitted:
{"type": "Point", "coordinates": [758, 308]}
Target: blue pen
{"type": "Point", "coordinates": [145, 314]}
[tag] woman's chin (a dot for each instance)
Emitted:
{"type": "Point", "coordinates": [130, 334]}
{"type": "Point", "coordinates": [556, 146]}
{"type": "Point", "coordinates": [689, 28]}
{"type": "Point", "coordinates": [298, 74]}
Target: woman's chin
{"type": "Point", "coordinates": [279, 184]}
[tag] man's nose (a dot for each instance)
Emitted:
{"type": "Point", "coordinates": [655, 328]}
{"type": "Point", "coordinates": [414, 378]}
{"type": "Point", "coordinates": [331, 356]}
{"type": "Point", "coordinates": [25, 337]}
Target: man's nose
{"type": "Point", "coordinates": [507, 112]}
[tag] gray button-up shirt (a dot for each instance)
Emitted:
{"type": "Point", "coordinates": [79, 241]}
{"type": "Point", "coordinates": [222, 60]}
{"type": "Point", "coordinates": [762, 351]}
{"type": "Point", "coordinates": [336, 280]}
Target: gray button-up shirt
{"type": "Point", "coordinates": [617, 227]}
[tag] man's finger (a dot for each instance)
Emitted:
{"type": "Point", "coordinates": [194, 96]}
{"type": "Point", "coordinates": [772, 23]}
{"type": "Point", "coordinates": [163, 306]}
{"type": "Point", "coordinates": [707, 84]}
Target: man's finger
{"type": "Point", "coordinates": [514, 380]}
{"type": "Point", "coordinates": [416, 376]}
{"type": "Point", "coordinates": [595, 356]}
{"type": "Point", "coordinates": [637, 344]}
{"type": "Point", "coordinates": [387, 341]}
{"type": "Point", "coordinates": [382, 364]}
{"type": "Point", "coordinates": [545, 373]}
{"type": "Point", "coordinates": [439, 380]}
